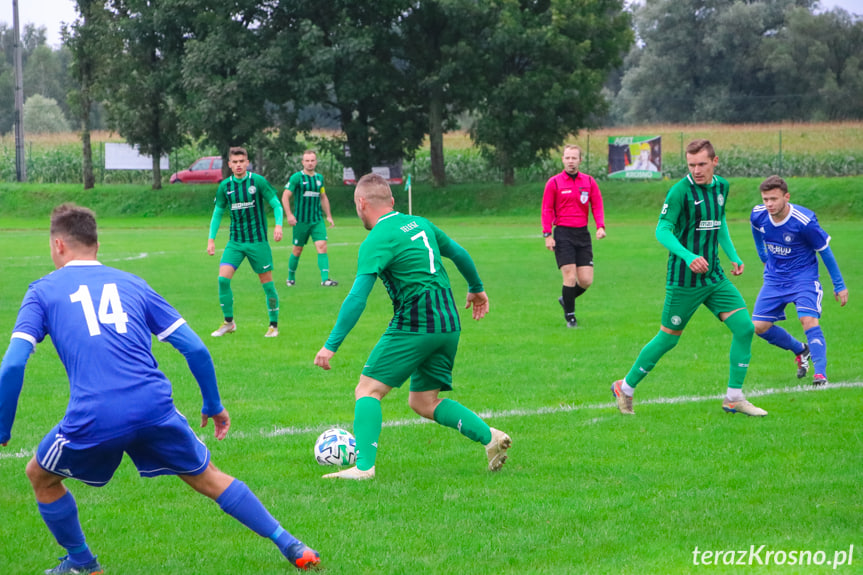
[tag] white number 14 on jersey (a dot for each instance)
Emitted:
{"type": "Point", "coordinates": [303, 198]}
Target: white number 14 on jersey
{"type": "Point", "coordinates": [110, 308]}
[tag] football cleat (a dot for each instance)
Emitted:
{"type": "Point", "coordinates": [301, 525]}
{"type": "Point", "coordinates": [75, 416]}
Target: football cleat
{"type": "Point", "coordinates": [352, 473]}
{"type": "Point", "coordinates": [624, 402]}
{"type": "Point", "coordinates": [226, 327]}
{"type": "Point", "coordinates": [802, 360]}
{"type": "Point", "coordinates": [329, 283]}
{"type": "Point", "coordinates": [69, 567]}
{"type": "Point", "coordinates": [301, 556]}
{"type": "Point", "coordinates": [569, 317]}
{"type": "Point", "coordinates": [742, 406]}
{"type": "Point", "coordinates": [818, 379]}
{"type": "Point", "coordinates": [272, 331]}
{"type": "Point", "coordinates": [289, 283]}
{"type": "Point", "coordinates": [496, 449]}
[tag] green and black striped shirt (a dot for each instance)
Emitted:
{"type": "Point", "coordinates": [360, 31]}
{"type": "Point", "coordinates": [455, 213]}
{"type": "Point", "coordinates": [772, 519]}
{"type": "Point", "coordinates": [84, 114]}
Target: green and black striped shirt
{"type": "Point", "coordinates": [405, 252]}
{"type": "Point", "coordinates": [246, 199]}
{"type": "Point", "coordinates": [307, 191]}
{"type": "Point", "coordinates": [697, 213]}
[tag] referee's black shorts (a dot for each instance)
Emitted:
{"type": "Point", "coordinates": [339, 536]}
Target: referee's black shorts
{"type": "Point", "coordinates": [572, 246]}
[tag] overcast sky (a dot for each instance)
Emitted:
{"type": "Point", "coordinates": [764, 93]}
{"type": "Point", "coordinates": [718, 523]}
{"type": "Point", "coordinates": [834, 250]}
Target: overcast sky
{"type": "Point", "coordinates": [50, 13]}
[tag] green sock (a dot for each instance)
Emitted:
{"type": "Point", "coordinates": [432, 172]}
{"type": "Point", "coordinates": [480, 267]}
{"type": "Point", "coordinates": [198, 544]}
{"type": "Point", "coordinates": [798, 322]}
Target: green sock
{"type": "Point", "coordinates": [293, 262]}
{"type": "Point", "coordinates": [742, 332]}
{"type": "Point", "coordinates": [368, 420]}
{"type": "Point", "coordinates": [661, 344]}
{"type": "Point", "coordinates": [226, 297]}
{"type": "Point", "coordinates": [272, 301]}
{"type": "Point", "coordinates": [453, 414]}
{"type": "Point", "coordinates": [324, 266]}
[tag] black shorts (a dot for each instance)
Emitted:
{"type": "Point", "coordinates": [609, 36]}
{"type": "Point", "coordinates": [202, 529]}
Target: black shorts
{"type": "Point", "coordinates": [572, 246]}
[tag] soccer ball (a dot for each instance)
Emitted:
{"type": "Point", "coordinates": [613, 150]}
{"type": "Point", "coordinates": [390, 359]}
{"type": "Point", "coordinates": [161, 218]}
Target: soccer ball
{"type": "Point", "coordinates": [336, 447]}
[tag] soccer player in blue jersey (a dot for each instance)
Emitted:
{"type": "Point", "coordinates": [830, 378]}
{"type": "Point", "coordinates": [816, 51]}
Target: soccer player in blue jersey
{"type": "Point", "coordinates": [101, 321]}
{"type": "Point", "coordinates": [787, 237]}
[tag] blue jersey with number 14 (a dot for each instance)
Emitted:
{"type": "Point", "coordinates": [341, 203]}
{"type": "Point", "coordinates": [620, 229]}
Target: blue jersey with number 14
{"type": "Point", "coordinates": [101, 321]}
{"type": "Point", "coordinates": [790, 244]}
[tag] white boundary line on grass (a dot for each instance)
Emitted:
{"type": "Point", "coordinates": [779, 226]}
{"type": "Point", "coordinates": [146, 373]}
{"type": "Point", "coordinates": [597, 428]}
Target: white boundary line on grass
{"type": "Point", "coordinates": [565, 408]}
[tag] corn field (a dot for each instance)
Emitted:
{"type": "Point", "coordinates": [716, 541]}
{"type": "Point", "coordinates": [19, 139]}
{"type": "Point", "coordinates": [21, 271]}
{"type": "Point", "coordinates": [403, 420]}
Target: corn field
{"type": "Point", "coordinates": [827, 150]}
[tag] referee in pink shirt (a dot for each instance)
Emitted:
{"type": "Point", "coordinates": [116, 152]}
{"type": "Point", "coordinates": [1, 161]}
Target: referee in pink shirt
{"type": "Point", "coordinates": [565, 203]}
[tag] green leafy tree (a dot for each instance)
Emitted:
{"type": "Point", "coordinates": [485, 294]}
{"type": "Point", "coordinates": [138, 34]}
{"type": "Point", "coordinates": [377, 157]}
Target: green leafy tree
{"type": "Point", "coordinates": [230, 75]}
{"type": "Point", "coordinates": [354, 65]}
{"type": "Point", "coordinates": [144, 106]}
{"type": "Point", "coordinates": [43, 116]}
{"type": "Point", "coordinates": [438, 43]}
{"type": "Point", "coordinates": [45, 75]}
{"type": "Point", "coordinates": [87, 40]}
{"type": "Point", "coordinates": [702, 60]}
{"type": "Point", "coordinates": [546, 62]}
{"type": "Point", "coordinates": [816, 63]}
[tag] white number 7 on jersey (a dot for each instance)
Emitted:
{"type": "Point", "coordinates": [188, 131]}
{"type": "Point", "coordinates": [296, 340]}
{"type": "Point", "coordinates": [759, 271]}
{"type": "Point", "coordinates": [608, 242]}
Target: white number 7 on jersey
{"type": "Point", "coordinates": [431, 253]}
{"type": "Point", "coordinates": [110, 299]}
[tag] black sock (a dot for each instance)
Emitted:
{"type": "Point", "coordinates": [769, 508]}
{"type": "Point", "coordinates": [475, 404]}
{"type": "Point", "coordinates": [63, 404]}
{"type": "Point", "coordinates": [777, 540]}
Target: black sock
{"type": "Point", "coordinates": [568, 293]}
{"type": "Point", "coordinates": [578, 290]}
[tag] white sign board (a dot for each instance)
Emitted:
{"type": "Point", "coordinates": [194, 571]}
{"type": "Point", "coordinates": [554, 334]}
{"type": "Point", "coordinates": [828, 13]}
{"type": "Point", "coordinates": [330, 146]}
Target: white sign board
{"type": "Point", "coordinates": [126, 157]}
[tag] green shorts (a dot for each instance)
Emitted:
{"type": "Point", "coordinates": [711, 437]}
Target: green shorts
{"type": "Point", "coordinates": [302, 231]}
{"type": "Point", "coordinates": [427, 358]}
{"type": "Point", "coordinates": [681, 302]}
{"type": "Point", "coordinates": [259, 253]}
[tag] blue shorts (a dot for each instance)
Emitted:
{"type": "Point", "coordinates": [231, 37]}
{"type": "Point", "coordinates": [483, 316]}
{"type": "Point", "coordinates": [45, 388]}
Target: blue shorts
{"type": "Point", "coordinates": [772, 299]}
{"type": "Point", "coordinates": [166, 448]}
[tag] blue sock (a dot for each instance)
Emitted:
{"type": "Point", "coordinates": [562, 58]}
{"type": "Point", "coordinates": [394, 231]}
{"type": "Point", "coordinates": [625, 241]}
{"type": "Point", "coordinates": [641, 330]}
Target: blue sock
{"type": "Point", "coordinates": [61, 517]}
{"type": "Point", "coordinates": [239, 502]}
{"type": "Point", "coordinates": [818, 349]}
{"type": "Point", "coordinates": [781, 338]}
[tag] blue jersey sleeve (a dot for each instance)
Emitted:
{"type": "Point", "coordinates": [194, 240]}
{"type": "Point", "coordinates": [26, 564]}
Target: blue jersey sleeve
{"type": "Point", "coordinates": [11, 381]}
{"type": "Point", "coordinates": [187, 342]}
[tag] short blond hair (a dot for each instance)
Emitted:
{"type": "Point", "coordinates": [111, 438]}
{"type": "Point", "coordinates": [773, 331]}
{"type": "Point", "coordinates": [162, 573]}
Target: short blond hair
{"type": "Point", "coordinates": [375, 189]}
{"type": "Point", "coordinates": [574, 147]}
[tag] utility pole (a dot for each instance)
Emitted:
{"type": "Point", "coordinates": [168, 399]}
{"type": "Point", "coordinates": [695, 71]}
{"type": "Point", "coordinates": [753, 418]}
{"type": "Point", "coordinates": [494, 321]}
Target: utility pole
{"type": "Point", "coordinates": [20, 160]}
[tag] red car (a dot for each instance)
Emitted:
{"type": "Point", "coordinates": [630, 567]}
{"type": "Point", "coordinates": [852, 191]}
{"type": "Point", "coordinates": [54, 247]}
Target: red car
{"type": "Point", "coordinates": [204, 171]}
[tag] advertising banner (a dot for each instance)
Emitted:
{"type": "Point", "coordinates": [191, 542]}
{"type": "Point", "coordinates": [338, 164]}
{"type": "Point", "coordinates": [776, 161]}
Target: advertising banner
{"type": "Point", "coordinates": [636, 157]}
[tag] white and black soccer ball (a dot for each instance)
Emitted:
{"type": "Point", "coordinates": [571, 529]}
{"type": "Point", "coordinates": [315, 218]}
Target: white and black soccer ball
{"type": "Point", "coordinates": [336, 447]}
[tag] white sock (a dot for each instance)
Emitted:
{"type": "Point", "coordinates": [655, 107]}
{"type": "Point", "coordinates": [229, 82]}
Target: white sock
{"type": "Point", "coordinates": [734, 394]}
{"type": "Point", "coordinates": [627, 389]}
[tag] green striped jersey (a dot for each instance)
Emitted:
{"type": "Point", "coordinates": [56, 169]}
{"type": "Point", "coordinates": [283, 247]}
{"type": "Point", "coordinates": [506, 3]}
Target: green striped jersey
{"type": "Point", "coordinates": [405, 252]}
{"type": "Point", "coordinates": [246, 199]}
{"type": "Point", "coordinates": [307, 192]}
{"type": "Point", "coordinates": [697, 213]}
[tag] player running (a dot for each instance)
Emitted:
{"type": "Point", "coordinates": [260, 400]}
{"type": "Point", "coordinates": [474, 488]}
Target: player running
{"type": "Point", "coordinates": [787, 237]}
{"type": "Point", "coordinates": [422, 338]}
{"type": "Point", "coordinates": [101, 321]}
{"type": "Point", "coordinates": [692, 226]}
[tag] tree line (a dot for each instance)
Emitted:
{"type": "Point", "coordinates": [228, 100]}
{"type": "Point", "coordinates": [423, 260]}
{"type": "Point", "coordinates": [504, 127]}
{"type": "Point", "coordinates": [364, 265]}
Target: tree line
{"type": "Point", "coordinates": [526, 73]}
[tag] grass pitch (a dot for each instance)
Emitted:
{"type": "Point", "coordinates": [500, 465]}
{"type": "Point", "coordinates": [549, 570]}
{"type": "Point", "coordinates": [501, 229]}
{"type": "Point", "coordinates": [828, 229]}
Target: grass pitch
{"type": "Point", "coordinates": [586, 490]}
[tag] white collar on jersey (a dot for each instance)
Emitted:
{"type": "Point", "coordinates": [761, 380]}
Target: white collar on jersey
{"type": "Point", "coordinates": [83, 263]}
